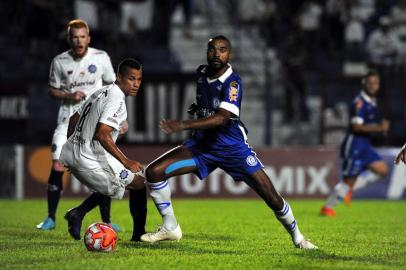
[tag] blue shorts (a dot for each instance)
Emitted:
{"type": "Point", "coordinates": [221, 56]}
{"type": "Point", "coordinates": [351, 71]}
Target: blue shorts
{"type": "Point", "coordinates": [357, 154]}
{"type": "Point", "coordinates": [237, 163]}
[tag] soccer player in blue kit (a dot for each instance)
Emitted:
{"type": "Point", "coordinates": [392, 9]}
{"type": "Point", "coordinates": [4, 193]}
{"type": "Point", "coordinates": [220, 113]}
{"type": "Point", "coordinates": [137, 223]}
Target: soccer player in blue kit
{"type": "Point", "coordinates": [219, 140]}
{"type": "Point", "coordinates": [356, 151]}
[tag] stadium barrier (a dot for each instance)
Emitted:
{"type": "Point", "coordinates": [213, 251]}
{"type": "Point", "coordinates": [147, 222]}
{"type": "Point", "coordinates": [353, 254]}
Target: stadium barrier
{"type": "Point", "coordinates": [295, 172]}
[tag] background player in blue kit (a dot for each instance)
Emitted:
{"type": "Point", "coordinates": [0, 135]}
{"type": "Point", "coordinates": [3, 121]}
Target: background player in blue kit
{"type": "Point", "coordinates": [219, 141]}
{"type": "Point", "coordinates": [356, 151]}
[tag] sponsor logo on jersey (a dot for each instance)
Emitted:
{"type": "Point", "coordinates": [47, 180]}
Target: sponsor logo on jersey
{"type": "Point", "coordinates": [81, 74]}
{"type": "Point", "coordinates": [79, 84]}
{"type": "Point", "coordinates": [92, 68]}
{"type": "Point", "coordinates": [251, 161]}
{"type": "Point", "coordinates": [70, 72]}
{"type": "Point", "coordinates": [233, 93]}
{"type": "Point", "coordinates": [124, 174]}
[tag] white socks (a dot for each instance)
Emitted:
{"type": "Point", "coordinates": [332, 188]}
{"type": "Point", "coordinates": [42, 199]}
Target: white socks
{"type": "Point", "coordinates": [365, 179]}
{"type": "Point", "coordinates": [161, 194]}
{"type": "Point", "coordinates": [285, 216]}
{"type": "Point", "coordinates": [338, 194]}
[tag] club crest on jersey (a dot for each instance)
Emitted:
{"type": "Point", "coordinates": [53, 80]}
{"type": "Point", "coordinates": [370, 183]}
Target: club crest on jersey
{"type": "Point", "coordinates": [233, 94]}
{"type": "Point", "coordinates": [215, 103]}
{"type": "Point", "coordinates": [251, 161]}
{"type": "Point", "coordinates": [92, 68]}
{"type": "Point", "coordinates": [124, 174]}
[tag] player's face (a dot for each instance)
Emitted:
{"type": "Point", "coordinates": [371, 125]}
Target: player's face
{"type": "Point", "coordinates": [218, 53]}
{"type": "Point", "coordinates": [372, 85]}
{"type": "Point", "coordinates": [79, 40]}
{"type": "Point", "coordinates": [130, 81]}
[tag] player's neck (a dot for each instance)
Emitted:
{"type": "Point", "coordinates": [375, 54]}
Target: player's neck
{"type": "Point", "coordinates": [76, 56]}
{"type": "Point", "coordinates": [215, 73]}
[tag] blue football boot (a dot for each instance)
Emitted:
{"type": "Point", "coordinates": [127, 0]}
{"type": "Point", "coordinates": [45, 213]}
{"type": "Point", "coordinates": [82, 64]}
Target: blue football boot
{"type": "Point", "coordinates": [47, 224]}
{"type": "Point", "coordinates": [115, 227]}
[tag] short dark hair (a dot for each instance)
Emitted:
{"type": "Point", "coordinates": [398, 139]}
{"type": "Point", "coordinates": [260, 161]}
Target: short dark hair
{"type": "Point", "coordinates": [128, 62]}
{"type": "Point", "coordinates": [221, 37]}
{"type": "Point", "coordinates": [370, 73]}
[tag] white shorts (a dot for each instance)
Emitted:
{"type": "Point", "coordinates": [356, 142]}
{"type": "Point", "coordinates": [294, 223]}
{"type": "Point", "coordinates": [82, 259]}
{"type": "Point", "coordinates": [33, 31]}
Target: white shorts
{"type": "Point", "coordinates": [108, 176]}
{"type": "Point", "coordinates": [58, 140]}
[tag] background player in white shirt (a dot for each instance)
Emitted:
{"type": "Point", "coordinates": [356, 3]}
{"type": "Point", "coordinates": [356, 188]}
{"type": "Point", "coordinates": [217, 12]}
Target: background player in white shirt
{"type": "Point", "coordinates": [91, 153]}
{"type": "Point", "coordinates": [74, 76]}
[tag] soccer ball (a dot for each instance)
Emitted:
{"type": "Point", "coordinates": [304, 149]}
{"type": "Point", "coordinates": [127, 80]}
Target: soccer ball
{"type": "Point", "coordinates": [100, 237]}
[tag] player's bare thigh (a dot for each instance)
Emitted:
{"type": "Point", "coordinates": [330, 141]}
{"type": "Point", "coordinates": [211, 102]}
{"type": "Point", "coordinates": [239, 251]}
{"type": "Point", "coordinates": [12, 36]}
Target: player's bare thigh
{"type": "Point", "coordinates": [157, 170]}
{"type": "Point", "coordinates": [379, 167]}
{"type": "Point", "coordinates": [137, 183]}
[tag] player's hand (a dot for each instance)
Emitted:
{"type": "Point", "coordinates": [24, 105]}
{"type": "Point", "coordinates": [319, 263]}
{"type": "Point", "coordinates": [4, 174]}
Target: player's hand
{"type": "Point", "coordinates": [77, 96]}
{"type": "Point", "coordinates": [123, 127]}
{"type": "Point", "coordinates": [385, 126]}
{"type": "Point", "coordinates": [171, 126]}
{"type": "Point", "coordinates": [133, 166]}
{"type": "Point", "coordinates": [401, 156]}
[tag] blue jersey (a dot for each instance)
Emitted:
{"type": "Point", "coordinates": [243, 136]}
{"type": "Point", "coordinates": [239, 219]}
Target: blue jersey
{"type": "Point", "coordinates": [224, 92]}
{"type": "Point", "coordinates": [356, 151]}
{"type": "Point", "coordinates": [226, 146]}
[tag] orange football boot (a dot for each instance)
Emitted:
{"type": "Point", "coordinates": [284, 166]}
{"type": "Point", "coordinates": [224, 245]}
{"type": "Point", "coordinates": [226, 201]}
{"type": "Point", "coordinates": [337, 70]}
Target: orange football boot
{"type": "Point", "coordinates": [347, 198]}
{"type": "Point", "coordinates": [329, 212]}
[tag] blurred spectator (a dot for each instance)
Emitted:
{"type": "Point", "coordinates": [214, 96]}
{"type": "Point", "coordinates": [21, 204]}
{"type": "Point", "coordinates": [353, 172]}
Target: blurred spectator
{"type": "Point", "coordinates": [309, 22]}
{"type": "Point", "coordinates": [398, 13]}
{"type": "Point", "coordinates": [382, 45]}
{"type": "Point", "coordinates": [354, 37]}
{"type": "Point", "coordinates": [162, 17]}
{"type": "Point", "coordinates": [294, 61]}
{"type": "Point", "coordinates": [334, 25]}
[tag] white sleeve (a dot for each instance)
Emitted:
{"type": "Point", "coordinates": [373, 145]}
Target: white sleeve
{"type": "Point", "coordinates": [54, 79]}
{"type": "Point", "coordinates": [108, 72]}
{"type": "Point", "coordinates": [114, 111]}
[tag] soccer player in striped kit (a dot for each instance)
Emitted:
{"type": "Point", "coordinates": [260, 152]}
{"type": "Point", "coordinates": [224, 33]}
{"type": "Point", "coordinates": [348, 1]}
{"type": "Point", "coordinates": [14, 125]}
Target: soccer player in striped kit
{"type": "Point", "coordinates": [219, 140]}
{"type": "Point", "coordinates": [361, 165]}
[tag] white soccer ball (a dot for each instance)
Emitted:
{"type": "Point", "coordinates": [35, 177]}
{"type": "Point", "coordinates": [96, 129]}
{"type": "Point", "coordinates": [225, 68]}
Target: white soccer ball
{"type": "Point", "coordinates": [100, 237]}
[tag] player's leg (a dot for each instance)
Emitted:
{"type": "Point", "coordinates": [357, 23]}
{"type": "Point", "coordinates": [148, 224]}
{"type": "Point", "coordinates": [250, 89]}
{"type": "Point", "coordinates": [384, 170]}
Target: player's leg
{"type": "Point", "coordinates": [375, 168]}
{"type": "Point", "coordinates": [138, 205]}
{"type": "Point", "coordinates": [138, 210]}
{"type": "Point", "coordinates": [339, 193]}
{"type": "Point", "coordinates": [178, 161]}
{"type": "Point", "coordinates": [75, 215]}
{"type": "Point", "coordinates": [105, 209]}
{"type": "Point", "coordinates": [262, 185]}
{"type": "Point", "coordinates": [55, 184]}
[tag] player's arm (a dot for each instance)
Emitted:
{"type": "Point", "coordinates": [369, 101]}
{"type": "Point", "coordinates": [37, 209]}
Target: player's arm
{"type": "Point", "coordinates": [368, 128]}
{"type": "Point", "coordinates": [72, 123]}
{"type": "Point", "coordinates": [220, 118]}
{"type": "Point", "coordinates": [62, 95]}
{"type": "Point", "coordinates": [401, 156]}
{"type": "Point", "coordinates": [103, 135]}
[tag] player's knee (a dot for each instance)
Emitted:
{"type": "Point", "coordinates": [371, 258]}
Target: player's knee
{"type": "Point", "coordinates": [383, 171]}
{"type": "Point", "coordinates": [57, 166]}
{"type": "Point", "coordinates": [153, 173]}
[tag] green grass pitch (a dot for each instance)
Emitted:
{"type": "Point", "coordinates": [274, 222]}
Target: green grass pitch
{"type": "Point", "coordinates": [217, 234]}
